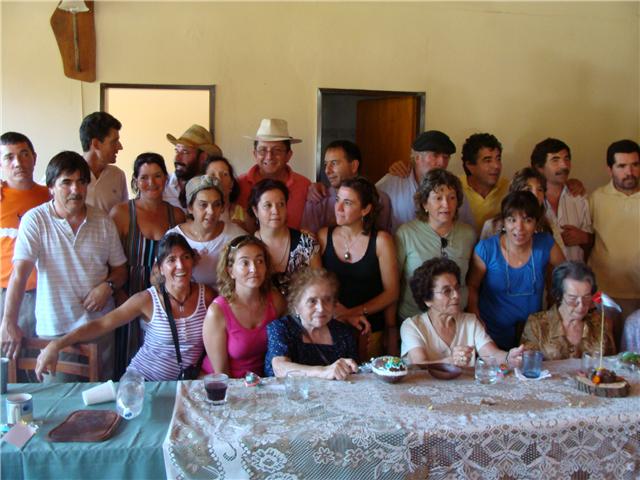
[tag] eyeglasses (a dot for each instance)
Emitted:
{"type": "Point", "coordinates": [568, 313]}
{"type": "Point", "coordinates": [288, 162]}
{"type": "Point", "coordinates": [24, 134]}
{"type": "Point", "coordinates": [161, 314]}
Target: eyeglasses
{"type": "Point", "coordinates": [449, 291]}
{"type": "Point", "coordinates": [444, 243]}
{"type": "Point", "coordinates": [275, 152]}
{"type": "Point", "coordinates": [574, 300]}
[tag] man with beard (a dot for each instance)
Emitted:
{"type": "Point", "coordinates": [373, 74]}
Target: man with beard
{"type": "Point", "coordinates": [615, 212]}
{"type": "Point", "coordinates": [100, 139]}
{"type": "Point", "coordinates": [552, 158]}
{"type": "Point", "coordinates": [79, 259]}
{"type": "Point", "coordinates": [192, 150]}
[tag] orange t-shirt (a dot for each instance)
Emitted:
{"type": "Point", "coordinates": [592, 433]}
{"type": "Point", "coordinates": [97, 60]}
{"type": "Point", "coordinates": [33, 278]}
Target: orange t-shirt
{"type": "Point", "coordinates": [14, 204]}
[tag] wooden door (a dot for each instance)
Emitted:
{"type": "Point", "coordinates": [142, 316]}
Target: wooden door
{"type": "Point", "coordinates": [385, 129]}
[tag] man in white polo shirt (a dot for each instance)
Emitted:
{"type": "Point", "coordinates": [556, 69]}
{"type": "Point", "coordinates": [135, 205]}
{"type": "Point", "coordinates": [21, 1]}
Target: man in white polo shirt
{"type": "Point", "coordinates": [79, 258]}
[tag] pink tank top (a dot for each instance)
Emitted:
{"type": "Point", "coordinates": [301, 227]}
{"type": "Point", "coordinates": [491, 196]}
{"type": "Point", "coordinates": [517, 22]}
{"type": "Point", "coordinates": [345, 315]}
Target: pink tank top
{"type": "Point", "coordinates": [246, 347]}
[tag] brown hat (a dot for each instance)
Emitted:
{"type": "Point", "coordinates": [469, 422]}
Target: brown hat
{"type": "Point", "coordinates": [202, 182]}
{"type": "Point", "coordinates": [273, 130]}
{"type": "Point", "coordinates": [197, 137]}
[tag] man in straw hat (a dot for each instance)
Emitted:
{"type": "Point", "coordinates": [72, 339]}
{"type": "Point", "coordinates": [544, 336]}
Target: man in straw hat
{"type": "Point", "coordinates": [193, 148]}
{"type": "Point", "coordinates": [272, 152]}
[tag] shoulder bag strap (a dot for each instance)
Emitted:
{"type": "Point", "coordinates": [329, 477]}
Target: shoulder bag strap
{"type": "Point", "coordinates": [172, 324]}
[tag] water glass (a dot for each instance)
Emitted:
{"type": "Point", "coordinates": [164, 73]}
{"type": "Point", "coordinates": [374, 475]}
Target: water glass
{"type": "Point", "coordinates": [590, 361]}
{"type": "Point", "coordinates": [487, 370]}
{"type": "Point", "coordinates": [531, 363]}
{"type": "Point", "coordinates": [215, 385]}
{"type": "Point", "coordinates": [296, 385]}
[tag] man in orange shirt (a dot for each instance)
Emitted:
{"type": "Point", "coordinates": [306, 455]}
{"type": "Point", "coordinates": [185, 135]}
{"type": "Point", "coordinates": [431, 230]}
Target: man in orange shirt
{"type": "Point", "coordinates": [19, 193]}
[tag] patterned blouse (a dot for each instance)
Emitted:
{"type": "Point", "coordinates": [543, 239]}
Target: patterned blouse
{"type": "Point", "coordinates": [544, 332]}
{"type": "Point", "coordinates": [303, 246]}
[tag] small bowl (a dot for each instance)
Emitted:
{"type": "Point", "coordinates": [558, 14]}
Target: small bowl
{"type": "Point", "coordinates": [386, 375]}
{"type": "Point", "coordinates": [444, 371]}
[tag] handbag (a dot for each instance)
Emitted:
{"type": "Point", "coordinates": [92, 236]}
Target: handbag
{"type": "Point", "coordinates": [190, 372]}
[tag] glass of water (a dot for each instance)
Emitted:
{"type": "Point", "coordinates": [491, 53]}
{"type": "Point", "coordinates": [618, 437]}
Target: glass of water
{"type": "Point", "coordinates": [296, 385]}
{"type": "Point", "coordinates": [487, 370]}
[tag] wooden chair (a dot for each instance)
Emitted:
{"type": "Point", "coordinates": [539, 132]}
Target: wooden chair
{"type": "Point", "coordinates": [87, 370]}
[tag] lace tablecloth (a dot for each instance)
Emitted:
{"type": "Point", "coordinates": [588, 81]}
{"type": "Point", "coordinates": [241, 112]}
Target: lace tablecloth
{"type": "Point", "coordinates": [419, 428]}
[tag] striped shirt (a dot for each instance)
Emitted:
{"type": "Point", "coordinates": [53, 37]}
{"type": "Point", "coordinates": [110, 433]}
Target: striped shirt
{"type": "Point", "coordinates": [156, 359]}
{"type": "Point", "coordinates": [69, 264]}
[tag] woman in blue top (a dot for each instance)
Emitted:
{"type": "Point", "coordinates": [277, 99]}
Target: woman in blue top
{"type": "Point", "coordinates": [508, 271]}
{"type": "Point", "coordinates": [311, 340]}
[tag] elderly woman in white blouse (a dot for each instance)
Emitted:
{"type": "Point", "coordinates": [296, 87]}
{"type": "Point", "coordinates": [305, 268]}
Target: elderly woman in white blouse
{"type": "Point", "coordinates": [443, 333]}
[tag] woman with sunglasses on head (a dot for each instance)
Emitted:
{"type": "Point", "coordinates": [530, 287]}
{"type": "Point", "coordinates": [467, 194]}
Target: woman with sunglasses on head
{"type": "Point", "coordinates": [204, 231]}
{"type": "Point", "coordinates": [364, 261]}
{"type": "Point", "coordinates": [443, 333]}
{"type": "Point", "coordinates": [571, 327]}
{"type": "Point", "coordinates": [235, 329]}
{"type": "Point", "coordinates": [508, 271]}
{"type": "Point", "coordinates": [436, 232]}
{"type": "Point", "coordinates": [157, 359]}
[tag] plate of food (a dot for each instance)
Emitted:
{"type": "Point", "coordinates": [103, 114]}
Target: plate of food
{"type": "Point", "coordinates": [389, 368]}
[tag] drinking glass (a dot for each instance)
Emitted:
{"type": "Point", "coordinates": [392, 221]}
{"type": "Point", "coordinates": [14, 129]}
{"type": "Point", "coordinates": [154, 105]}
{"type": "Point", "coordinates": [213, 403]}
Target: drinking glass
{"type": "Point", "coordinates": [487, 370]}
{"type": "Point", "coordinates": [531, 363]}
{"type": "Point", "coordinates": [216, 387]}
{"type": "Point", "coordinates": [296, 385]}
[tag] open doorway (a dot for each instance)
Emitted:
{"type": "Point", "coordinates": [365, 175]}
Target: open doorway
{"type": "Point", "coordinates": [382, 123]}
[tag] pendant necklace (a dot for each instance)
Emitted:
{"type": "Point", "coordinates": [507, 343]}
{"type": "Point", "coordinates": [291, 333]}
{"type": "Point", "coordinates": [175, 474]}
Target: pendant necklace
{"type": "Point", "coordinates": [347, 253]}
{"type": "Point", "coordinates": [181, 304]}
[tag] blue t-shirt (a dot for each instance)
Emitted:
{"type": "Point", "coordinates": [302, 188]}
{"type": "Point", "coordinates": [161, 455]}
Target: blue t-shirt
{"type": "Point", "coordinates": [509, 295]}
{"type": "Point", "coordinates": [285, 340]}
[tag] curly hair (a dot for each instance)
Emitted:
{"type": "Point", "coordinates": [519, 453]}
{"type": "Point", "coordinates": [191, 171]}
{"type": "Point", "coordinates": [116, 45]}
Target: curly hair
{"type": "Point", "coordinates": [544, 148]}
{"type": "Point", "coordinates": [304, 278]}
{"type": "Point", "coordinates": [424, 277]}
{"type": "Point", "coordinates": [432, 181]}
{"type": "Point", "coordinates": [472, 146]}
{"type": "Point", "coordinates": [226, 284]}
{"type": "Point", "coordinates": [368, 195]}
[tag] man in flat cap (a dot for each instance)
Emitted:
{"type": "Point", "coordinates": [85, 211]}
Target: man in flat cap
{"type": "Point", "coordinates": [272, 153]}
{"type": "Point", "coordinates": [193, 148]}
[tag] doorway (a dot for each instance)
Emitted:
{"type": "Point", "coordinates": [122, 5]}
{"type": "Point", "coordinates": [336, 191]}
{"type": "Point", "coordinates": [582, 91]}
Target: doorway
{"type": "Point", "coordinates": [382, 123]}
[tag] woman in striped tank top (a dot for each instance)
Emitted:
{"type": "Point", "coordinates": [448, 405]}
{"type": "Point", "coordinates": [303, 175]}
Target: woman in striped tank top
{"type": "Point", "coordinates": [156, 359]}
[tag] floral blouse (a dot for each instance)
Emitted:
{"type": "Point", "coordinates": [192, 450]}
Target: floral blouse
{"type": "Point", "coordinates": [303, 246]}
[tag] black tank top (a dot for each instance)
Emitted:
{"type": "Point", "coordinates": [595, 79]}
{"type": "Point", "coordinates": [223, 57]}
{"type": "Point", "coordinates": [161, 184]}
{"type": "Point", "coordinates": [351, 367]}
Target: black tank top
{"type": "Point", "coordinates": [359, 281]}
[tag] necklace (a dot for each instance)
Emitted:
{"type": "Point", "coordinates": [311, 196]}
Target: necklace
{"type": "Point", "coordinates": [347, 253]}
{"type": "Point", "coordinates": [180, 304]}
{"type": "Point", "coordinates": [285, 252]}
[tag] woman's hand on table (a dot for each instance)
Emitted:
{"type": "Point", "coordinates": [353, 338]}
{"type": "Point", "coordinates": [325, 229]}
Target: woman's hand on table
{"type": "Point", "coordinates": [515, 356]}
{"type": "Point", "coordinates": [339, 370]}
{"type": "Point", "coordinates": [461, 355]}
{"type": "Point", "coordinates": [47, 361]}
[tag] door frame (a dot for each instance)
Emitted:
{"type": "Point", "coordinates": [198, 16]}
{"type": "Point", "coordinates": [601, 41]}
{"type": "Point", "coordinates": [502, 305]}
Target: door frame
{"type": "Point", "coordinates": [421, 96]}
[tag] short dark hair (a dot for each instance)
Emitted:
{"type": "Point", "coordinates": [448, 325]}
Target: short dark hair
{"type": "Point", "coordinates": [97, 125]}
{"type": "Point", "coordinates": [425, 275]}
{"type": "Point", "coordinates": [260, 188]}
{"type": "Point", "coordinates": [368, 195]}
{"type": "Point", "coordinates": [287, 143]}
{"type": "Point", "coordinates": [144, 159]}
{"type": "Point", "coordinates": [621, 146]}
{"type": "Point", "coordinates": [544, 148]}
{"type": "Point", "coordinates": [574, 271]}
{"type": "Point", "coordinates": [170, 240]}
{"type": "Point", "coordinates": [434, 179]}
{"type": "Point", "coordinates": [235, 187]}
{"type": "Point", "coordinates": [11, 138]}
{"type": "Point", "coordinates": [472, 146]}
{"type": "Point", "coordinates": [519, 181]}
{"type": "Point", "coordinates": [521, 201]}
{"type": "Point", "coordinates": [350, 149]}
{"type": "Point", "coordinates": [67, 162]}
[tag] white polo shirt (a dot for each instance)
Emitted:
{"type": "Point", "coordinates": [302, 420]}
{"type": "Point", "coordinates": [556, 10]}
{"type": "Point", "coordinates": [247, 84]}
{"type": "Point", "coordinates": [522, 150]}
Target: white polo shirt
{"type": "Point", "coordinates": [109, 189]}
{"type": "Point", "coordinates": [69, 265]}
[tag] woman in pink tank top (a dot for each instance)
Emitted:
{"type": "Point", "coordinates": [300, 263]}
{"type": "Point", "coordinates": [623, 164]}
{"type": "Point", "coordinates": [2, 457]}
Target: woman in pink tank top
{"type": "Point", "coordinates": [235, 328]}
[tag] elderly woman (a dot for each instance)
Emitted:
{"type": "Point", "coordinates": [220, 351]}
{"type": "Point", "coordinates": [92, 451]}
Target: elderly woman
{"type": "Point", "coordinates": [289, 249]}
{"type": "Point", "coordinates": [436, 232]}
{"type": "Point", "coordinates": [141, 223]}
{"type": "Point", "coordinates": [507, 276]}
{"type": "Point", "coordinates": [443, 333]}
{"type": "Point", "coordinates": [156, 360]}
{"type": "Point", "coordinates": [310, 340]}
{"type": "Point", "coordinates": [235, 330]}
{"type": "Point", "coordinates": [221, 169]}
{"type": "Point", "coordinates": [364, 261]}
{"type": "Point", "coordinates": [206, 233]}
{"type": "Point", "coordinates": [570, 327]}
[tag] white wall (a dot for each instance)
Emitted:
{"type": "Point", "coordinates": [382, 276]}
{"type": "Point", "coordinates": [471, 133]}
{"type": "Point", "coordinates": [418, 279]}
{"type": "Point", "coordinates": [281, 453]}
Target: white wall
{"type": "Point", "coordinates": [523, 71]}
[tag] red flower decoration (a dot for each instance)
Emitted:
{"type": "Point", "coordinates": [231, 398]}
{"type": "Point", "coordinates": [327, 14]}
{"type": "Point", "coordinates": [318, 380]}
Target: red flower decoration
{"type": "Point", "coordinates": [597, 297]}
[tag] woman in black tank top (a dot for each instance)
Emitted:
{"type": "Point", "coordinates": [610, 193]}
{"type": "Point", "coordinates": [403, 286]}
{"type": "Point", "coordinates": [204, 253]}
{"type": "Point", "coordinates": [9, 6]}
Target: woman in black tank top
{"type": "Point", "coordinates": [364, 261]}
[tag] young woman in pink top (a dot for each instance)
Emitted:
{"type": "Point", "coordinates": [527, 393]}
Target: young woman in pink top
{"type": "Point", "coordinates": [235, 328]}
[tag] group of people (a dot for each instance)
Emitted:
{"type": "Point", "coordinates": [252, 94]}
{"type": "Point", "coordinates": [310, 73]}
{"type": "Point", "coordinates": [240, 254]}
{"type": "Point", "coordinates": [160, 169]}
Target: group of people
{"type": "Point", "coordinates": [202, 271]}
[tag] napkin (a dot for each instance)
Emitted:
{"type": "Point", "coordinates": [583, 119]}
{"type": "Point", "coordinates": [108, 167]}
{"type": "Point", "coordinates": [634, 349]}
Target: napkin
{"type": "Point", "coordinates": [543, 374]}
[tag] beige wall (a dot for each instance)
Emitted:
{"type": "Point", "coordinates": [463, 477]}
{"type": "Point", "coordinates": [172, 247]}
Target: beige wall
{"type": "Point", "coordinates": [522, 71]}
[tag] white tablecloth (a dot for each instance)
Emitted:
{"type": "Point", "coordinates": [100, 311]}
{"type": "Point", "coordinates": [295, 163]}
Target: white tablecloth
{"type": "Point", "coordinates": [418, 428]}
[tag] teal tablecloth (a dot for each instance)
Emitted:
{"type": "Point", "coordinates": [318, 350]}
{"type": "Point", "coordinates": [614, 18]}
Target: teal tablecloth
{"type": "Point", "coordinates": [135, 451]}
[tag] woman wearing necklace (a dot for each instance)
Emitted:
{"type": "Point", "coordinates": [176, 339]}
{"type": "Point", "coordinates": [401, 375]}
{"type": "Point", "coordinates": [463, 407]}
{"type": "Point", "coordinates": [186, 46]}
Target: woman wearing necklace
{"type": "Point", "coordinates": [364, 260]}
{"type": "Point", "coordinates": [235, 330]}
{"type": "Point", "coordinates": [156, 360]}
{"type": "Point", "coordinates": [436, 232]}
{"type": "Point", "coordinates": [205, 232]}
{"type": "Point", "coordinates": [289, 249]}
{"type": "Point", "coordinates": [310, 340]}
{"type": "Point", "coordinates": [508, 271]}
{"type": "Point", "coordinates": [443, 333]}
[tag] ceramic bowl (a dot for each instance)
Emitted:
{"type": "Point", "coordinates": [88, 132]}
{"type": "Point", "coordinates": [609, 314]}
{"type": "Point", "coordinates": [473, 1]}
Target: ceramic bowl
{"type": "Point", "coordinates": [444, 371]}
